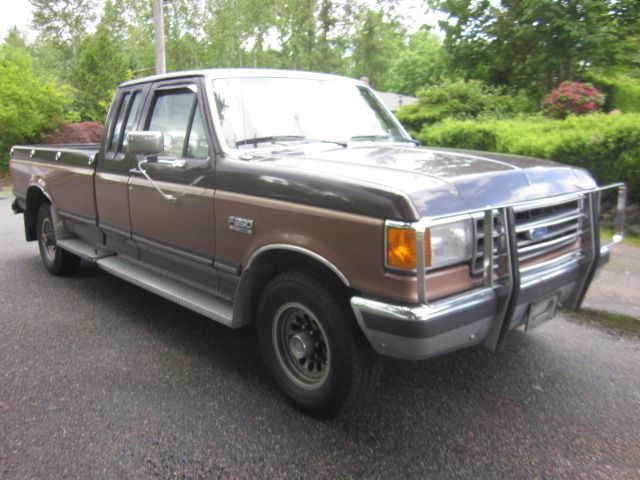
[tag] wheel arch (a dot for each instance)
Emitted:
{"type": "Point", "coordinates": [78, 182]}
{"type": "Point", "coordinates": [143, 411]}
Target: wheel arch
{"type": "Point", "coordinates": [270, 260]}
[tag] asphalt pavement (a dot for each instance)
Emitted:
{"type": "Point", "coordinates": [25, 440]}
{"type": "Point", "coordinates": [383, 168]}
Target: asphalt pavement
{"type": "Point", "coordinates": [100, 379]}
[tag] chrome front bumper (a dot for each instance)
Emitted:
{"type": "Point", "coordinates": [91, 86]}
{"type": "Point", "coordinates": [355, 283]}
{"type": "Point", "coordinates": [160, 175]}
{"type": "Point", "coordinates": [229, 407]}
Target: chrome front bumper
{"type": "Point", "coordinates": [484, 315]}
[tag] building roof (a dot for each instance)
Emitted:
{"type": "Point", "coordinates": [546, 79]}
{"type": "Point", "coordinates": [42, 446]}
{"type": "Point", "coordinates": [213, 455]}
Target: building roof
{"type": "Point", "coordinates": [393, 101]}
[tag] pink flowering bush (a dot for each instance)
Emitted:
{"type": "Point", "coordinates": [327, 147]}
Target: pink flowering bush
{"type": "Point", "coordinates": [572, 97]}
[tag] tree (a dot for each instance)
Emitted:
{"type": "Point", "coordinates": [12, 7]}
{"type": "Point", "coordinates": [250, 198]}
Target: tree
{"type": "Point", "coordinates": [376, 43]}
{"type": "Point", "coordinates": [64, 23]}
{"type": "Point", "coordinates": [531, 44]}
{"type": "Point", "coordinates": [626, 14]}
{"type": "Point", "coordinates": [223, 33]}
{"type": "Point", "coordinates": [29, 103]}
{"type": "Point", "coordinates": [183, 31]}
{"type": "Point", "coordinates": [419, 65]}
{"type": "Point", "coordinates": [101, 68]}
{"type": "Point", "coordinates": [298, 33]}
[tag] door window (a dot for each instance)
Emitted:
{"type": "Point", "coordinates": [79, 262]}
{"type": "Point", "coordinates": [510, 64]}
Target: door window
{"type": "Point", "coordinates": [177, 116]}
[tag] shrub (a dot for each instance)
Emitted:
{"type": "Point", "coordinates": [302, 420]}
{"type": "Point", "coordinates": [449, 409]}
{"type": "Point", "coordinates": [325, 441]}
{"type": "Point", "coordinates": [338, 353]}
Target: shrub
{"type": "Point", "coordinates": [622, 91]}
{"type": "Point", "coordinates": [607, 145]}
{"type": "Point", "coordinates": [572, 97]}
{"type": "Point", "coordinates": [461, 99]}
{"type": "Point", "coordinates": [84, 132]}
{"type": "Point", "coordinates": [29, 104]}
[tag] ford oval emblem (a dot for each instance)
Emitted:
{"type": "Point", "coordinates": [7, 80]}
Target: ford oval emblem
{"type": "Point", "coordinates": [538, 233]}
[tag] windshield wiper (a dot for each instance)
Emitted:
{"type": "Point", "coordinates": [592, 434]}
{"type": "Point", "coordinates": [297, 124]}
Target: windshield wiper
{"type": "Point", "coordinates": [375, 138]}
{"type": "Point", "coordinates": [285, 138]}
{"type": "Point", "coordinates": [270, 139]}
{"type": "Point", "coordinates": [335, 142]}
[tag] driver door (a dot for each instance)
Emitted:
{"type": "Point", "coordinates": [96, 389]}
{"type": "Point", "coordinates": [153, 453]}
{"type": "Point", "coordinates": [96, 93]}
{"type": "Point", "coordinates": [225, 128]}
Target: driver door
{"type": "Point", "coordinates": [171, 194]}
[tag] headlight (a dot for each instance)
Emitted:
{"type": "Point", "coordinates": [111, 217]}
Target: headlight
{"type": "Point", "coordinates": [445, 244]}
{"type": "Point", "coordinates": [451, 243]}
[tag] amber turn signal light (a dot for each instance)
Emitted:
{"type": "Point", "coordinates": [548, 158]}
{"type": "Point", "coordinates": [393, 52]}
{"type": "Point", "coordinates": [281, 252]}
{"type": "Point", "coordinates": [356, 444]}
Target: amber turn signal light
{"type": "Point", "coordinates": [401, 248]}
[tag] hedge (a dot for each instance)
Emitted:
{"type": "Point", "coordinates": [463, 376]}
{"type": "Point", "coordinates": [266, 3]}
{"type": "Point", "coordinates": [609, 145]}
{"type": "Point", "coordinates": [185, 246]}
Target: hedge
{"type": "Point", "coordinates": [607, 145]}
{"type": "Point", "coordinates": [623, 92]}
{"type": "Point", "coordinates": [462, 99]}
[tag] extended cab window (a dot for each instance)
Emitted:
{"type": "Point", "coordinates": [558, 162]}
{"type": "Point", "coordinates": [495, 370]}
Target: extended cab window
{"type": "Point", "coordinates": [176, 114]}
{"type": "Point", "coordinates": [127, 110]}
{"type": "Point", "coordinates": [134, 104]}
{"type": "Point", "coordinates": [115, 133]}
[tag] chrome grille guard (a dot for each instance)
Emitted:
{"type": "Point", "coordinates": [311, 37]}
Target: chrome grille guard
{"type": "Point", "coordinates": [507, 286]}
{"type": "Point", "coordinates": [506, 217]}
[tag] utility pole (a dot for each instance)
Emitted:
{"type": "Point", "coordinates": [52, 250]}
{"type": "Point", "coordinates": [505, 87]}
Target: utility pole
{"type": "Point", "coordinates": [158, 20]}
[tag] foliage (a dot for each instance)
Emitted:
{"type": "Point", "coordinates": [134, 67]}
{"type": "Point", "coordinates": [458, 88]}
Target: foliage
{"type": "Point", "coordinates": [607, 145]}
{"type": "Point", "coordinates": [572, 97]}
{"type": "Point", "coordinates": [535, 45]}
{"type": "Point", "coordinates": [64, 24]}
{"type": "Point", "coordinates": [420, 65]}
{"type": "Point", "coordinates": [84, 132]}
{"type": "Point", "coordinates": [622, 91]}
{"type": "Point", "coordinates": [29, 104]}
{"type": "Point", "coordinates": [498, 47]}
{"type": "Point", "coordinates": [461, 99]}
{"type": "Point", "coordinates": [101, 67]}
{"type": "Point", "coordinates": [376, 44]}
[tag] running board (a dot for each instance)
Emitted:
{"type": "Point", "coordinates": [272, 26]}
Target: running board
{"type": "Point", "coordinates": [82, 249]}
{"type": "Point", "coordinates": [179, 292]}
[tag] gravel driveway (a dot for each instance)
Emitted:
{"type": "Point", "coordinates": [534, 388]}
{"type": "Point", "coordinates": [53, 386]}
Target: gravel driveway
{"type": "Point", "coordinates": [100, 379]}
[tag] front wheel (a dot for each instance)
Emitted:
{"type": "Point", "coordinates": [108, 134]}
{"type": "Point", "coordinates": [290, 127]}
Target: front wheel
{"type": "Point", "coordinates": [312, 345]}
{"type": "Point", "coordinates": [56, 260]}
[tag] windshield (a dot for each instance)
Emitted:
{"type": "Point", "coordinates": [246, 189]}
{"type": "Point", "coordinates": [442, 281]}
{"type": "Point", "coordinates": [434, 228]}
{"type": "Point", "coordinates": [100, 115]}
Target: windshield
{"type": "Point", "coordinates": [255, 112]}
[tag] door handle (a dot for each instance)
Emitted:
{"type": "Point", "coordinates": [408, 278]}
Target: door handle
{"type": "Point", "coordinates": [166, 196]}
{"type": "Point", "coordinates": [178, 163]}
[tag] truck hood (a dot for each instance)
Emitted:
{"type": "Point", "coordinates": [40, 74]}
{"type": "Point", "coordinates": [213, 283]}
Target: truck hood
{"type": "Point", "coordinates": [439, 181]}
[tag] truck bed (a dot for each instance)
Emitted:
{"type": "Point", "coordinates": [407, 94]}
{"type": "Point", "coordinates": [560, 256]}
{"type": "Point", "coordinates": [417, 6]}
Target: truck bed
{"type": "Point", "coordinates": [65, 172]}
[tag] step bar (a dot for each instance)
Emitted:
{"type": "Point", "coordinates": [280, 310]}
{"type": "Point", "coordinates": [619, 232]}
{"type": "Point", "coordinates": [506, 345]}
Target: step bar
{"type": "Point", "coordinates": [182, 293]}
{"type": "Point", "coordinates": [82, 249]}
{"type": "Point", "coordinates": [179, 292]}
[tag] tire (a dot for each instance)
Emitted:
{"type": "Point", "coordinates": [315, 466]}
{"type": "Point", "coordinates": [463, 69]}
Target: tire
{"type": "Point", "coordinates": [313, 346]}
{"type": "Point", "coordinates": [56, 260]}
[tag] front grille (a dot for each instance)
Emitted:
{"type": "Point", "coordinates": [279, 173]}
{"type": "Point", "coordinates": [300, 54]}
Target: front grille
{"type": "Point", "coordinates": [539, 231]}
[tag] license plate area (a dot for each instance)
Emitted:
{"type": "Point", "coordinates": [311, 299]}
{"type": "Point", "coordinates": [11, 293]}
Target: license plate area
{"type": "Point", "coordinates": [541, 311]}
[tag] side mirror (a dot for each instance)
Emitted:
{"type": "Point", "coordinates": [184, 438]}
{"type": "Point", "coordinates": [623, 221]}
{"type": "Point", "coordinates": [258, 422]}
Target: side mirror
{"type": "Point", "coordinates": [145, 143]}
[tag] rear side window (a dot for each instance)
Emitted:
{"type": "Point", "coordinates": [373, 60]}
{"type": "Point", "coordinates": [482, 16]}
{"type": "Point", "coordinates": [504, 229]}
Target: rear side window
{"type": "Point", "coordinates": [125, 119]}
{"type": "Point", "coordinates": [117, 127]}
{"type": "Point", "coordinates": [134, 104]}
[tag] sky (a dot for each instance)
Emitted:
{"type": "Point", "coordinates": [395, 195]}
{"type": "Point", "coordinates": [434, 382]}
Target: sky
{"type": "Point", "coordinates": [18, 13]}
{"type": "Point", "coordinates": [14, 12]}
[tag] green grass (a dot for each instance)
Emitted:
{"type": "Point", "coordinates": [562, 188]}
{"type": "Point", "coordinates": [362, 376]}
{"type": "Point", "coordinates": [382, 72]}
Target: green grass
{"type": "Point", "coordinates": [614, 323]}
{"type": "Point", "coordinates": [606, 234]}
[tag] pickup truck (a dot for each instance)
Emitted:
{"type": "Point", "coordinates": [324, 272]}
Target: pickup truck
{"type": "Point", "coordinates": [297, 203]}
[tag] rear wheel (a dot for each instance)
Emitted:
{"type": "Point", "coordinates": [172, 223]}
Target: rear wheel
{"type": "Point", "coordinates": [312, 345]}
{"type": "Point", "coordinates": [57, 261]}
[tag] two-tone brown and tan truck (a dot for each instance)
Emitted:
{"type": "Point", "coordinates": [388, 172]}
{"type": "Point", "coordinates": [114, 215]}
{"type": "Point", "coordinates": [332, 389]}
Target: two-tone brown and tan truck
{"type": "Point", "coordinates": [297, 202]}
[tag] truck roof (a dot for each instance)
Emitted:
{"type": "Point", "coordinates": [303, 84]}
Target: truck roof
{"type": "Point", "coordinates": [214, 73]}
